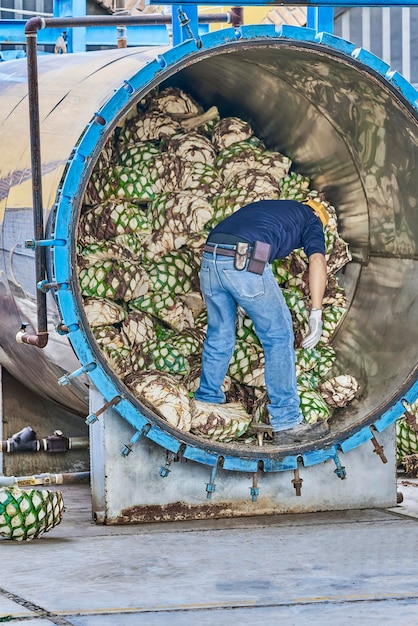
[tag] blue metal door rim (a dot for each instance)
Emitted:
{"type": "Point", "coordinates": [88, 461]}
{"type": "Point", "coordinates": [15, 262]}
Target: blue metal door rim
{"type": "Point", "coordinates": [144, 423]}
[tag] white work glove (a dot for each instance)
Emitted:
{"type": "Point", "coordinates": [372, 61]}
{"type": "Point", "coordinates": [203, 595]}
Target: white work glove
{"type": "Point", "coordinates": [315, 329]}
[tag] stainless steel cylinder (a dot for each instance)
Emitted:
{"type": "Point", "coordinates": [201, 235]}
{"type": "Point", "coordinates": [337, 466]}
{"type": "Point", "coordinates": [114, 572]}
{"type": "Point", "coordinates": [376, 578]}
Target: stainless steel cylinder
{"type": "Point", "coordinates": [344, 119]}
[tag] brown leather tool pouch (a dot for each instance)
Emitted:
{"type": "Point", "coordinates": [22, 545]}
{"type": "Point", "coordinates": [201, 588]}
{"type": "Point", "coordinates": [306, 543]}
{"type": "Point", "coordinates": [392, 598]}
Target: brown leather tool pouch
{"type": "Point", "coordinates": [240, 258]}
{"type": "Point", "coordinates": [259, 257]}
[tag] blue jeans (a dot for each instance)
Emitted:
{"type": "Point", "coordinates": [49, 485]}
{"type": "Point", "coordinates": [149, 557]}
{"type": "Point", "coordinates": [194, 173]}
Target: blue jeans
{"type": "Point", "coordinates": [224, 287]}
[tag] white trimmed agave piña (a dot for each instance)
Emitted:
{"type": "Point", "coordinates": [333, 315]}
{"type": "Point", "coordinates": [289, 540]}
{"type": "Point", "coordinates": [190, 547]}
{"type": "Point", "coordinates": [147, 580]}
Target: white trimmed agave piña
{"type": "Point", "coordinates": [175, 272]}
{"type": "Point", "coordinates": [103, 222]}
{"type": "Point", "coordinates": [113, 280]}
{"type": "Point", "coordinates": [102, 312]}
{"type": "Point", "coordinates": [28, 514]}
{"type": "Point", "coordinates": [250, 155]}
{"type": "Point", "coordinates": [183, 211]}
{"type": "Point", "coordinates": [245, 187]}
{"type": "Point", "coordinates": [192, 147]}
{"type": "Point", "coordinates": [339, 390]}
{"type": "Point", "coordinates": [126, 247]}
{"type": "Point", "coordinates": [294, 187]}
{"type": "Point", "coordinates": [152, 126]}
{"type": "Point", "coordinates": [175, 217]}
{"type": "Point", "coordinates": [230, 130]}
{"type": "Point", "coordinates": [137, 327]}
{"type": "Point", "coordinates": [189, 342]}
{"type": "Point", "coordinates": [182, 107]}
{"type": "Point", "coordinates": [247, 364]}
{"type": "Point", "coordinates": [220, 422]}
{"type": "Point", "coordinates": [312, 405]}
{"type": "Point", "coordinates": [168, 174]}
{"type": "Point", "coordinates": [176, 103]}
{"type": "Point", "coordinates": [407, 432]}
{"type": "Point", "coordinates": [164, 394]}
{"type": "Point", "coordinates": [172, 310]}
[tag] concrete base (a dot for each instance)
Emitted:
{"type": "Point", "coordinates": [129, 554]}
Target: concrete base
{"type": "Point", "coordinates": [20, 407]}
{"type": "Point", "coordinates": [131, 490]}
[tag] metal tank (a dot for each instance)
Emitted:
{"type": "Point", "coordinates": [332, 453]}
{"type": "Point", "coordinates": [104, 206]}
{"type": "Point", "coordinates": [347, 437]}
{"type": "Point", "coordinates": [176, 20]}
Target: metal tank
{"type": "Point", "coordinates": [338, 112]}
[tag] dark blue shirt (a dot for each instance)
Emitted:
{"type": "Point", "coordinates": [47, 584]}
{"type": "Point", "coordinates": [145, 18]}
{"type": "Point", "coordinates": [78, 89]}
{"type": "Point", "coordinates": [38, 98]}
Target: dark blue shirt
{"type": "Point", "coordinates": [285, 224]}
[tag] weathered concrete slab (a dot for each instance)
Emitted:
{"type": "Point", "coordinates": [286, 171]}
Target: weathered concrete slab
{"type": "Point", "coordinates": [340, 567]}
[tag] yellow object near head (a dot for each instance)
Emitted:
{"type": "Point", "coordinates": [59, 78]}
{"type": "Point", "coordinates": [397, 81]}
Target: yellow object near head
{"type": "Point", "coordinates": [319, 209]}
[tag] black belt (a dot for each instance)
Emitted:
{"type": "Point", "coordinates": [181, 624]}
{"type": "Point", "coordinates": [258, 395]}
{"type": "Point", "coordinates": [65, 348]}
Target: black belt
{"type": "Point", "coordinates": [223, 251]}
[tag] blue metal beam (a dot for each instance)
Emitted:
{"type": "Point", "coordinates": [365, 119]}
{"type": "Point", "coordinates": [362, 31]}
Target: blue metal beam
{"type": "Point", "coordinates": [13, 32]}
{"type": "Point", "coordinates": [321, 19]}
{"type": "Point", "coordinates": [185, 25]}
{"type": "Point", "coordinates": [78, 36]}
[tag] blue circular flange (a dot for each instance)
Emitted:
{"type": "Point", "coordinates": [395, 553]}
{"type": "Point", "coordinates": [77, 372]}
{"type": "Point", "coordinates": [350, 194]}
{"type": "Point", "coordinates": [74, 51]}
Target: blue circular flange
{"type": "Point", "coordinates": [95, 132]}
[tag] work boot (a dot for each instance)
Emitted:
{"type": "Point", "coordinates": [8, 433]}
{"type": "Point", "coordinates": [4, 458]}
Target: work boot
{"type": "Point", "coordinates": [301, 433]}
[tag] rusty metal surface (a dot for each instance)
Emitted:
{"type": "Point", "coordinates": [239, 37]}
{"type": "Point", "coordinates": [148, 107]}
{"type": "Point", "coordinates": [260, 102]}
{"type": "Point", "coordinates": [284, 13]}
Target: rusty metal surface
{"type": "Point", "coordinates": [173, 512]}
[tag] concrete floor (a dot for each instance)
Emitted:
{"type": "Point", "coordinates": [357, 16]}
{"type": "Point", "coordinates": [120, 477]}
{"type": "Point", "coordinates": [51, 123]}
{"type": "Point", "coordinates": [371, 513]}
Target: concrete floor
{"type": "Point", "coordinates": [351, 567]}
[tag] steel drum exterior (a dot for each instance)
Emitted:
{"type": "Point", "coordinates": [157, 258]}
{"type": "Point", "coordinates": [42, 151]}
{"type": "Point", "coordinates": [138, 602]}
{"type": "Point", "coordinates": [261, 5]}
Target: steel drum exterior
{"type": "Point", "coordinates": [71, 88]}
{"type": "Point", "coordinates": [339, 113]}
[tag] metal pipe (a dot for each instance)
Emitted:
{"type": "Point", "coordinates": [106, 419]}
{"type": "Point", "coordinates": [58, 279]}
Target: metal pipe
{"type": "Point", "coordinates": [46, 445]}
{"type": "Point", "coordinates": [25, 441]}
{"type": "Point", "coordinates": [35, 24]}
{"type": "Point", "coordinates": [39, 340]}
{"type": "Point", "coordinates": [236, 16]}
{"type": "Point", "coordinates": [121, 37]}
{"type": "Point", "coordinates": [45, 479]}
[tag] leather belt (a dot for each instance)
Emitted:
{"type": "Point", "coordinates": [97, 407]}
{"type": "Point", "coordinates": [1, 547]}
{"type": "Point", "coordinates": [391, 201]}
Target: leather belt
{"type": "Point", "coordinates": [223, 251]}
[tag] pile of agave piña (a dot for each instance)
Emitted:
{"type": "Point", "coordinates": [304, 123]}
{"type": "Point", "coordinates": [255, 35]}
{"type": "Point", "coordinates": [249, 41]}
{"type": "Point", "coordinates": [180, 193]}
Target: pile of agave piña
{"type": "Point", "coordinates": [168, 173]}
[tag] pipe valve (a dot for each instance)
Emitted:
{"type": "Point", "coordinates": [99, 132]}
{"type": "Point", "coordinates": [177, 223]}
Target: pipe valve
{"type": "Point", "coordinates": [21, 332]}
{"type": "Point", "coordinates": [23, 441]}
{"type": "Point", "coordinates": [26, 441]}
